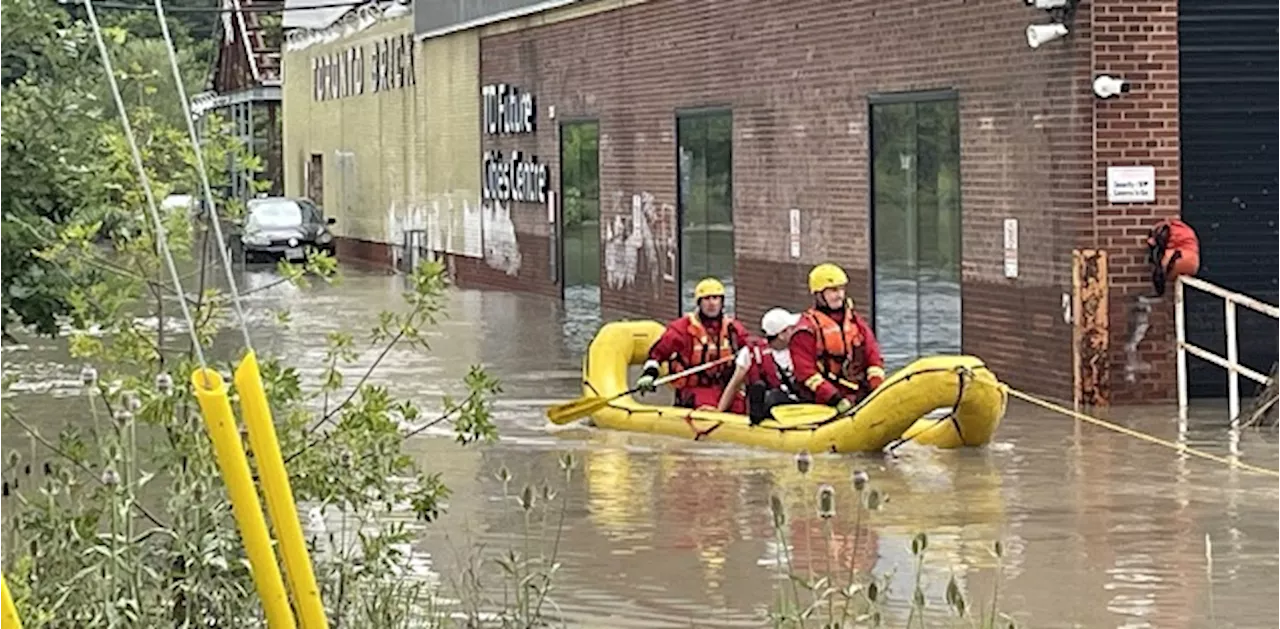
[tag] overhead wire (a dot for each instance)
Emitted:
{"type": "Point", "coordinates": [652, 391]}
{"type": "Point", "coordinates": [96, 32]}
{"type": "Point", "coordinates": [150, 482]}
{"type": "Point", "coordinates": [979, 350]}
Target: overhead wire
{"type": "Point", "coordinates": [279, 8]}
{"type": "Point", "coordinates": [204, 176]}
{"type": "Point", "coordinates": [161, 236]}
{"type": "Point", "coordinates": [212, 395]}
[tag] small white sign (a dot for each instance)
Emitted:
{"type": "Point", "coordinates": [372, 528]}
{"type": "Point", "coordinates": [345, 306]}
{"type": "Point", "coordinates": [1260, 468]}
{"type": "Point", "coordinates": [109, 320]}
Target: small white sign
{"type": "Point", "coordinates": [551, 207]}
{"type": "Point", "coordinates": [1131, 184]}
{"type": "Point", "coordinates": [1011, 247]}
{"type": "Point", "coordinates": [795, 233]}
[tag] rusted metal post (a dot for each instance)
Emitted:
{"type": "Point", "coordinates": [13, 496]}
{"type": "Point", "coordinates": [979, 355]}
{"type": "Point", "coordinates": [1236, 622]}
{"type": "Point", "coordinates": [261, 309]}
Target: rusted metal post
{"type": "Point", "coordinates": [1090, 334]}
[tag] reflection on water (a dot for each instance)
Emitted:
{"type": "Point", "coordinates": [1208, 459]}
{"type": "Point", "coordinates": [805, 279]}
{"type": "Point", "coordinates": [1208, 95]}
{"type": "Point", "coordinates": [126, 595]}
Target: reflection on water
{"type": "Point", "coordinates": [916, 317]}
{"type": "Point", "coordinates": [1099, 529]}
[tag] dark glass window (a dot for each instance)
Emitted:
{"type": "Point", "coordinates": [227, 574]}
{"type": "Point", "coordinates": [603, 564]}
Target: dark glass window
{"type": "Point", "coordinates": [705, 166]}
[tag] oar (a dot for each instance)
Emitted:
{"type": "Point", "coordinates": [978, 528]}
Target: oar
{"type": "Point", "coordinates": [800, 414]}
{"type": "Point", "coordinates": [584, 406]}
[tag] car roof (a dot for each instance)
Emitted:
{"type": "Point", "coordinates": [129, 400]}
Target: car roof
{"type": "Point", "coordinates": [260, 200]}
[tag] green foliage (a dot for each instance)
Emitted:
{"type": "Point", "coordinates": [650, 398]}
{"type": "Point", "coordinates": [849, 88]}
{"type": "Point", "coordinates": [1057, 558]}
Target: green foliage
{"type": "Point", "coordinates": [65, 164]}
{"type": "Point", "coordinates": [580, 177]}
{"type": "Point", "coordinates": [129, 523]}
{"type": "Point", "coordinates": [852, 596]}
{"type": "Point", "coordinates": [50, 117]}
{"type": "Point", "coordinates": [125, 521]}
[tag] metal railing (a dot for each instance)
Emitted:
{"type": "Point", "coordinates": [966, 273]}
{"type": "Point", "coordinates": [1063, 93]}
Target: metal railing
{"type": "Point", "coordinates": [1231, 362]}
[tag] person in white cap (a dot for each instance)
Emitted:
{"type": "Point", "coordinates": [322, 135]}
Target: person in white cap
{"type": "Point", "coordinates": [764, 366]}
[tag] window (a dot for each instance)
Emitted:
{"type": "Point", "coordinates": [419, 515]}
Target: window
{"type": "Point", "coordinates": [705, 165]}
{"type": "Point", "coordinates": [580, 203]}
{"type": "Point", "coordinates": [915, 179]}
{"type": "Point", "coordinates": [274, 213]}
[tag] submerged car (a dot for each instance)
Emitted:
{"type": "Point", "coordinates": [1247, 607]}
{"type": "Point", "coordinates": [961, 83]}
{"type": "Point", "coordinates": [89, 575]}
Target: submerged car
{"type": "Point", "coordinates": [285, 227]}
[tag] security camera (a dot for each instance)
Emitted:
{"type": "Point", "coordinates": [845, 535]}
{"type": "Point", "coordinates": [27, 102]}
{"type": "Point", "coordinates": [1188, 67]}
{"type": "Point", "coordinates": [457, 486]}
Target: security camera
{"type": "Point", "coordinates": [1047, 4]}
{"type": "Point", "coordinates": [1040, 34]}
{"type": "Point", "coordinates": [1107, 86]}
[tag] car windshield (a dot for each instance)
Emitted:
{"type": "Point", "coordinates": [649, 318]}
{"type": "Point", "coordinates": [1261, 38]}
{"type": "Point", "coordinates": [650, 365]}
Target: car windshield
{"type": "Point", "coordinates": [272, 213]}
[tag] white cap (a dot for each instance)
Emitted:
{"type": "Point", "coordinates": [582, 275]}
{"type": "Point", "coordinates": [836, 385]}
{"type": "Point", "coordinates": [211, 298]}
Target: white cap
{"type": "Point", "coordinates": [777, 320]}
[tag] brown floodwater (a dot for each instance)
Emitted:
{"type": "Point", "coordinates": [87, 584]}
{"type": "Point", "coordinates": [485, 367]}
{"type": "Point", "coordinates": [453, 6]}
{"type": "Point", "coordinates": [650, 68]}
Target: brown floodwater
{"type": "Point", "coordinates": [1098, 529]}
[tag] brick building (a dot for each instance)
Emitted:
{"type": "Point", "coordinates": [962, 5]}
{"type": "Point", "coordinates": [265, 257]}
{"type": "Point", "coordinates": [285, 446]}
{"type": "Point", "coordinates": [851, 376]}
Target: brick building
{"type": "Point", "coordinates": [626, 148]}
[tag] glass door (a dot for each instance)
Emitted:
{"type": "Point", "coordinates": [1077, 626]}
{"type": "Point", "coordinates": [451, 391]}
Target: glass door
{"type": "Point", "coordinates": [915, 212]}
{"type": "Point", "coordinates": [580, 218]}
{"type": "Point", "coordinates": [705, 167]}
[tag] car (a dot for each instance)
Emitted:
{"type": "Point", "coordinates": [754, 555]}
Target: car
{"type": "Point", "coordinates": [276, 227]}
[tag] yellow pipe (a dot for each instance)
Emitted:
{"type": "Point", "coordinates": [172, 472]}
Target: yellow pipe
{"type": "Point", "coordinates": [278, 493]}
{"type": "Point", "coordinates": [211, 392]}
{"type": "Point", "coordinates": [10, 614]}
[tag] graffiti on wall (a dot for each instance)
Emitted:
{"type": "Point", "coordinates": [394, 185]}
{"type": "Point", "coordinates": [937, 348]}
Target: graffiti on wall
{"type": "Point", "coordinates": [450, 222]}
{"type": "Point", "coordinates": [645, 233]}
{"type": "Point", "coordinates": [501, 249]}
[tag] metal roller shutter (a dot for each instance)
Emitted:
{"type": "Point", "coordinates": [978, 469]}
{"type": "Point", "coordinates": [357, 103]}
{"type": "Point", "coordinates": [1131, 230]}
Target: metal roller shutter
{"type": "Point", "coordinates": [1228, 117]}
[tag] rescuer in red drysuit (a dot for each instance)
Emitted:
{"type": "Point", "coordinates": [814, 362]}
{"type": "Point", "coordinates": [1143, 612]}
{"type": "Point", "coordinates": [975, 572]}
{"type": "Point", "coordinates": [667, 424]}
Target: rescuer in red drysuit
{"type": "Point", "coordinates": [1173, 250]}
{"type": "Point", "coordinates": [702, 336]}
{"type": "Point", "coordinates": [764, 367]}
{"type": "Point", "coordinates": [836, 357]}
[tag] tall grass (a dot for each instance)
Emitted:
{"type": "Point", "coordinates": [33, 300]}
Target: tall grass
{"type": "Point", "coordinates": [853, 595]}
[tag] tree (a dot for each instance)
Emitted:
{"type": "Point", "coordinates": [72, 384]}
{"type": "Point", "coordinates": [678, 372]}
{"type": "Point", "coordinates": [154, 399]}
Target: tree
{"type": "Point", "coordinates": [126, 522]}
{"type": "Point", "coordinates": [50, 117]}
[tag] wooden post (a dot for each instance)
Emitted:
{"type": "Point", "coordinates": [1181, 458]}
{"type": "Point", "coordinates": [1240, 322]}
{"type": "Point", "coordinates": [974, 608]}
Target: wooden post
{"type": "Point", "coordinates": [1090, 333]}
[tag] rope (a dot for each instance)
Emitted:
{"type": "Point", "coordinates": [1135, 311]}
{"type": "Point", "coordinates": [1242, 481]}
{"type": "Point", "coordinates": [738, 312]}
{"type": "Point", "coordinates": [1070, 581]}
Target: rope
{"type": "Point", "coordinates": [162, 239]}
{"type": "Point", "coordinates": [1180, 447]}
{"type": "Point", "coordinates": [204, 175]}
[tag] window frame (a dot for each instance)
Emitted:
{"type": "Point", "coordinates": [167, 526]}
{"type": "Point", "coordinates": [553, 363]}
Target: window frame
{"type": "Point", "coordinates": [915, 97]}
{"type": "Point", "coordinates": [692, 114]}
{"type": "Point", "coordinates": [558, 257]}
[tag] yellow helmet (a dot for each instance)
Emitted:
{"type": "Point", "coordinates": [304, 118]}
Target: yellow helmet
{"type": "Point", "coordinates": [708, 287]}
{"type": "Point", "coordinates": [826, 275]}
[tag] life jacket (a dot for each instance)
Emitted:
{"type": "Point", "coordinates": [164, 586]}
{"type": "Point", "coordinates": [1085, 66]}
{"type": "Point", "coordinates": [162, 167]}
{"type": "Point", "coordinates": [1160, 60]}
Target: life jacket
{"type": "Point", "coordinates": [1172, 250]}
{"type": "Point", "coordinates": [840, 356]}
{"type": "Point", "coordinates": [763, 367]}
{"type": "Point", "coordinates": [706, 348]}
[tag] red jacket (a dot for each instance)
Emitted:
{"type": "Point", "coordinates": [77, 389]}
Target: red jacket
{"type": "Point", "coordinates": [763, 368]}
{"type": "Point", "coordinates": [692, 340]}
{"type": "Point", "coordinates": [817, 362]}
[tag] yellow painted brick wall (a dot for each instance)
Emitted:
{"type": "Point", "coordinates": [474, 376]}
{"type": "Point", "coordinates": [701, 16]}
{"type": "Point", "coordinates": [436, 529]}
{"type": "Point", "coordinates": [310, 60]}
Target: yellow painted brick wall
{"type": "Point", "coordinates": [396, 159]}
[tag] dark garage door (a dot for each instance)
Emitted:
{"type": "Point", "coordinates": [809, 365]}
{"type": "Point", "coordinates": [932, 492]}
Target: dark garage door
{"type": "Point", "coordinates": [1228, 73]}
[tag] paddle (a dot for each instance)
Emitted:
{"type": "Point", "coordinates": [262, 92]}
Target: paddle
{"type": "Point", "coordinates": [801, 414]}
{"type": "Point", "coordinates": [584, 406]}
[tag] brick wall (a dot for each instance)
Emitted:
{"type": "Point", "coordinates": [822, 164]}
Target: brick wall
{"type": "Point", "coordinates": [797, 79]}
{"type": "Point", "coordinates": [1137, 40]}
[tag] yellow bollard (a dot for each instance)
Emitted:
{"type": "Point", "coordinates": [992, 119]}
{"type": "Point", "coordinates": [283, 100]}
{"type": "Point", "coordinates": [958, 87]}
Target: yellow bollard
{"type": "Point", "coordinates": [278, 493]}
{"type": "Point", "coordinates": [211, 392]}
{"type": "Point", "coordinates": [10, 613]}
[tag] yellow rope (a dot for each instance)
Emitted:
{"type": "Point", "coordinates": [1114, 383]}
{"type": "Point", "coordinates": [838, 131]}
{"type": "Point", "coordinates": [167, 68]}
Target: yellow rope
{"type": "Point", "coordinates": [1141, 435]}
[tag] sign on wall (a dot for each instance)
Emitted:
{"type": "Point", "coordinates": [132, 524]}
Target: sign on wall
{"type": "Point", "coordinates": [1131, 184]}
{"type": "Point", "coordinates": [379, 66]}
{"type": "Point", "coordinates": [509, 111]}
{"type": "Point", "coordinates": [1011, 248]}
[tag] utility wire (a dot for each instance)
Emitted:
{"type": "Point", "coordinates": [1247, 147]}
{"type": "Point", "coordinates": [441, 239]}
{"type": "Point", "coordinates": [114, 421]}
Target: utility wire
{"type": "Point", "coordinates": [272, 8]}
{"type": "Point", "coordinates": [161, 237]}
{"type": "Point", "coordinates": [198, 151]}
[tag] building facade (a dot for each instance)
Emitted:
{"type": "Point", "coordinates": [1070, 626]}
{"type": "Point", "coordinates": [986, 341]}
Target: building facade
{"type": "Point", "coordinates": [613, 152]}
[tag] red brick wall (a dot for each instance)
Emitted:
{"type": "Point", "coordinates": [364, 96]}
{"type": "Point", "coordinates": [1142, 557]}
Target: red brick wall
{"type": "Point", "coordinates": [1137, 40]}
{"type": "Point", "coordinates": [797, 77]}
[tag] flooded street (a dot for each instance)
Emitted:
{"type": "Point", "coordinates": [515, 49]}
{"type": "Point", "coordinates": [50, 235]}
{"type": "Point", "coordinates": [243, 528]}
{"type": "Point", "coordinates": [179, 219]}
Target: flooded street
{"type": "Point", "coordinates": [1099, 529]}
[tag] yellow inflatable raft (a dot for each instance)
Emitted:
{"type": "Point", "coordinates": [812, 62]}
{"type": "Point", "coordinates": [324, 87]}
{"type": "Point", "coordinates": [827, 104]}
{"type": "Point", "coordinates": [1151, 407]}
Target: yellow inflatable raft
{"type": "Point", "coordinates": [893, 413]}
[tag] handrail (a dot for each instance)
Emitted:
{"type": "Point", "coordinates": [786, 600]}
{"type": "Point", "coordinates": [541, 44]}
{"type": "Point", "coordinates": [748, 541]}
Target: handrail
{"type": "Point", "coordinates": [1231, 362]}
